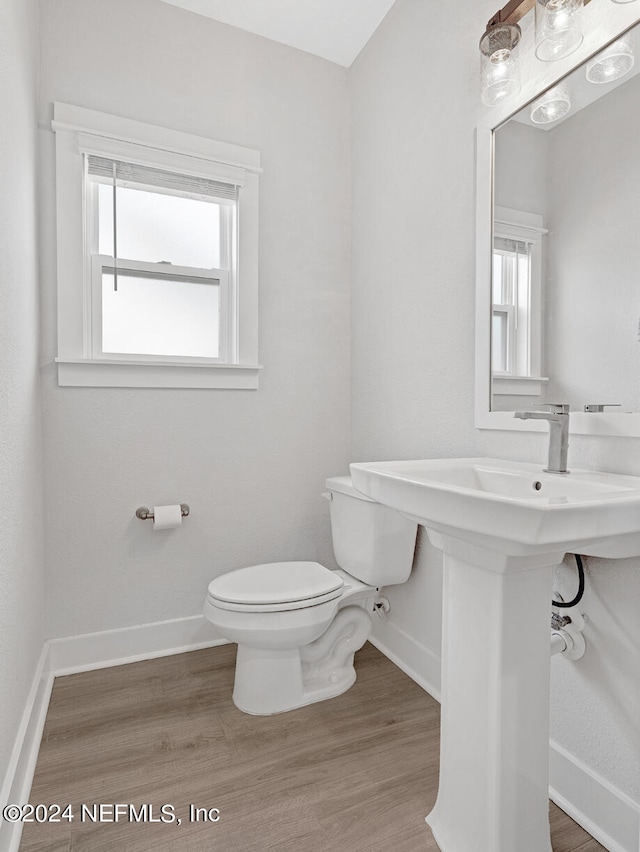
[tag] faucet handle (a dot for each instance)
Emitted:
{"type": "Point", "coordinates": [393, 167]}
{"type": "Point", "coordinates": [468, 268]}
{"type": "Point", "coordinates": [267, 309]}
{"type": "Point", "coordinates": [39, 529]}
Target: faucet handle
{"type": "Point", "coordinates": [556, 408]}
{"type": "Point", "coordinates": [600, 406]}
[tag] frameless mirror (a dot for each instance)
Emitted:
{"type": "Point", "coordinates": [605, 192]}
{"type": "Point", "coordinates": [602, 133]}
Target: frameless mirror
{"type": "Point", "coordinates": [565, 277]}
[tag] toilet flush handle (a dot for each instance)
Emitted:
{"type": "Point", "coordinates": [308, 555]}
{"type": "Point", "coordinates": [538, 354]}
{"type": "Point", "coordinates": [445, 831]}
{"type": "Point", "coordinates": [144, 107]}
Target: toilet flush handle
{"type": "Point", "coordinates": [328, 495]}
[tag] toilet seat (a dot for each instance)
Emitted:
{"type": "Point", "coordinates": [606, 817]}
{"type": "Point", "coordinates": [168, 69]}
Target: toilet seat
{"type": "Point", "coordinates": [275, 587]}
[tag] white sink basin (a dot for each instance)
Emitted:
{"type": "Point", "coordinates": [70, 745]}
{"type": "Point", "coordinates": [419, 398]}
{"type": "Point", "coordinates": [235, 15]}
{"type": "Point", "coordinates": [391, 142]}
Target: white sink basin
{"type": "Point", "coordinates": [516, 504]}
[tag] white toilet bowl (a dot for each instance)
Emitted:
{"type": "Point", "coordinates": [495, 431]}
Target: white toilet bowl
{"type": "Point", "coordinates": [298, 624]}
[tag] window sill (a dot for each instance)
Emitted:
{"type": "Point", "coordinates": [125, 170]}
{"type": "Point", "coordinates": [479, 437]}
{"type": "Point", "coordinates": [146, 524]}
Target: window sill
{"type": "Point", "coordinates": [86, 372]}
{"type": "Point", "coordinates": [518, 385]}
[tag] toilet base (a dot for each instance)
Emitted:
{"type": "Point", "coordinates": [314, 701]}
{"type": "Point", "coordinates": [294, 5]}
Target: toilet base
{"type": "Point", "coordinates": [269, 682]}
{"type": "Point", "coordinates": [274, 681]}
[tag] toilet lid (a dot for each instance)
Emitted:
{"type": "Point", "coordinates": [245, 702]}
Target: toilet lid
{"type": "Point", "coordinates": [276, 583]}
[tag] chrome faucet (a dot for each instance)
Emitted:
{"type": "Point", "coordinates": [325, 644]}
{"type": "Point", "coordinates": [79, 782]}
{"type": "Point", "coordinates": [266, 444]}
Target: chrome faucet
{"type": "Point", "coordinates": [558, 418]}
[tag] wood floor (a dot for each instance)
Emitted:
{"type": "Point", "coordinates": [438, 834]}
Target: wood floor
{"type": "Point", "coordinates": [357, 773]}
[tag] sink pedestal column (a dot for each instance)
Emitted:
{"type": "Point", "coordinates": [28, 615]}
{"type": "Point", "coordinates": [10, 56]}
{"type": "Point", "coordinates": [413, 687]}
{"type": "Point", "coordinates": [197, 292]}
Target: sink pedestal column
{"type": "Point", "coordinates": [494, 753]}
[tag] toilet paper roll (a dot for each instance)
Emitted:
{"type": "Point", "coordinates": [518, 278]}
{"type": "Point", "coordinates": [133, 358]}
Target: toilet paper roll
{"type": "Point", "coordinates": [166, 517]}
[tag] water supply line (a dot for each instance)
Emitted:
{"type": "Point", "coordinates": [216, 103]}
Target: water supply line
{"type": "Point", "coordinates": [558, 643]}
{"type": "Point", "coordinates": [579, 593]}
{"type": "Point", "coordinates": [566, 630]}
{"type": "Point", "coordinates": [382, 606]}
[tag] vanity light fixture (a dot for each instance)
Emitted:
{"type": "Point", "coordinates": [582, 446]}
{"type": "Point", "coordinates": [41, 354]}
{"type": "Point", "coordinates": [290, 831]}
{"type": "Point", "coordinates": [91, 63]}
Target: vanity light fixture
{"type": "Point", "coordinates": [613, 62]}
{"type": "Point", "coordinates": [622, 1]}
{"type": "Point", "coordinates": [553, 105]}
{"type": "Point", "coordinates": [557, 35]}
{"type": "Point", "coordinates": [499, 63]}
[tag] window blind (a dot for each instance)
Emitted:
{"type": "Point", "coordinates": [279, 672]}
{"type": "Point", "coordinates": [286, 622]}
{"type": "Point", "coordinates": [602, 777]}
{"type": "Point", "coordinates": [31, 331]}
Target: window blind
{"type": "Point", "coordinates": [511, 246]}
{"type": "Point", "coordinates": [103, 167]}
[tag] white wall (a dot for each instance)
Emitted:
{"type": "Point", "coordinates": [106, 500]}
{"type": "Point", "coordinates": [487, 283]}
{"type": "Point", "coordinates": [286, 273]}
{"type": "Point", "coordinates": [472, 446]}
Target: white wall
{"type": "Point", "coordinates": [251, 465]}
{"type": "Point", "coordinates": [521, 168]}
{"type": "Point", "coordinates": [21, 566]}
{"type": "Point", "coordinates": [412, 271]}
{"type": "Point", "coordinates": [415, 93]}
{"type": "Point", "coordinates": [413, 267]}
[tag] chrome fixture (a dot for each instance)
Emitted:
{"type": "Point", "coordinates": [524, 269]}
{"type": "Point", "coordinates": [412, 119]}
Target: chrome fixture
{"type": "Point", "coordinates": [552, 106]}
{"type": "Point", "coordinates": [145, 514]}
{"type": "Point", "coordinates": [566, 635]}
{"type": "Point", "coordinates": [613, 62]}
{"type": "Point", "coordinates": [599, 407]}
{"type": "Point", "coordinates": [559, 621]}
{"type": "Point", "coordinates": [558, 419]}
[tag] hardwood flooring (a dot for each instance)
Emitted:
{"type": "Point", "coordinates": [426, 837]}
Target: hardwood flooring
{"type": "Point", "coordinates": [357, 773]}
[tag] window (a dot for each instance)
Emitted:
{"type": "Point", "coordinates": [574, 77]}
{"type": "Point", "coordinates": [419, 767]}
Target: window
{"type": "Point", "coordinates": [516, 282]}
{"type": "Point", "coordinates": [161, 248]}
{"type": "Point", "coordinates": [157, 267]}
{"type": "Point", "coordinates": [511, 283]}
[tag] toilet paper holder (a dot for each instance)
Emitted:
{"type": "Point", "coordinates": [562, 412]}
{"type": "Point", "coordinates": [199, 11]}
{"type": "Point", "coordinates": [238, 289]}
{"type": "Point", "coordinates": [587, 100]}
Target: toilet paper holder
{"type": "Point", "coordinates": [145, 514]}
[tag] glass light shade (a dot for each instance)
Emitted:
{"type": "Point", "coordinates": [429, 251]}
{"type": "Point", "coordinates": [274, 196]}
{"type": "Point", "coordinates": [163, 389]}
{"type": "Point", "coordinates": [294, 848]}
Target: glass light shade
{"type": "Point", "coordinates": [558, 31]}
{"type": "Point", "coordinates": [499, 65]}
{"type": "Point", "coordinates": [553, 105]}
{"type": "Point", "coordinates": [613, 62]}
{"type": "Point", "coordinates": [623, 1]}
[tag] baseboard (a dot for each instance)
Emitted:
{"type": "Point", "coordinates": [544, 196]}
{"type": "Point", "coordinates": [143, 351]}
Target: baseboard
{"type": "Point", "coordinates": [83, 653]}
{"type": "Point", "coordinates": [605, 812]}
{"type": "Point", "coordinates": [22, 764]}
{"type": "Point", "coordinates": [131, 644]}
{"type": "Point", "coordinates": [417, 661]}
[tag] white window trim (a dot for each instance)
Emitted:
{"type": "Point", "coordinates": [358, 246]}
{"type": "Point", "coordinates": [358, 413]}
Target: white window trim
{"type": "Point", "coordinates": [508, 311]}
{"type": "Point", "coordinates": [529, 227]}
{"type": "Point", "coordinates": [80, 131]}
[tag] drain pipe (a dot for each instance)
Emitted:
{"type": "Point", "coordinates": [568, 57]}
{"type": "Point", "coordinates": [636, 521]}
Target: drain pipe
{"type": "Point", "coordinates": [558, 643]}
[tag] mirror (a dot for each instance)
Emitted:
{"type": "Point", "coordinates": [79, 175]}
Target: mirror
{"type": "Point", "coordinates": [565, 267]}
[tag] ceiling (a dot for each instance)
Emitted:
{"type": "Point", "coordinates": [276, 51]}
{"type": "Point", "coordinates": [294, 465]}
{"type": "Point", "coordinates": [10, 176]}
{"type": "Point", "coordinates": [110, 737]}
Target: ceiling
{"type": "Point", "coordinates": [336, 30]}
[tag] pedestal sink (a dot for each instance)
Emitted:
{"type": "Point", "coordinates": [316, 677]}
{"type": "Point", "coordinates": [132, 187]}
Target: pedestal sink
{"type": "Point", "coordinates": [501, 526]}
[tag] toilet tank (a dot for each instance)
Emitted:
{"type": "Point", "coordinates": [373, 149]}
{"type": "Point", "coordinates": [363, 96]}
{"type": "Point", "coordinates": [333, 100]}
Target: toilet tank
{"type": "Point", "coordinates": [371, 542]}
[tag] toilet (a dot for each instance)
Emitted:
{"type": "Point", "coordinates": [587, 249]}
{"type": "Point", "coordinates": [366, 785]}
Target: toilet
{"type": "Point", "coordinates": [298, 624]}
